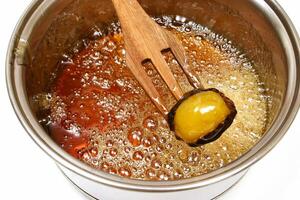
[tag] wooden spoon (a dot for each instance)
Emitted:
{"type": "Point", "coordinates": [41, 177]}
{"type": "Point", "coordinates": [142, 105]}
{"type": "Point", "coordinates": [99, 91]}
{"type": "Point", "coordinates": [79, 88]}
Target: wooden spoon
{"type": "Point", "coordinates": [145, 40]}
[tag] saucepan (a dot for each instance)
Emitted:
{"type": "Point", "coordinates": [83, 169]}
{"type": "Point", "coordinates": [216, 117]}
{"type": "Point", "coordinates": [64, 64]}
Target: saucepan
{"type": "Point", "coordinates": [260, 28]}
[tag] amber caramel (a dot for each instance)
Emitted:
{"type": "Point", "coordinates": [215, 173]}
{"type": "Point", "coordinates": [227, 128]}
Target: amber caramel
{"type": "Point", "coordinates": [100, 114]}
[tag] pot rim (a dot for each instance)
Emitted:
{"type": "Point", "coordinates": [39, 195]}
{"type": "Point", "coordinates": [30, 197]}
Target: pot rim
{"type": "Point", "coordinates": [288, 112]}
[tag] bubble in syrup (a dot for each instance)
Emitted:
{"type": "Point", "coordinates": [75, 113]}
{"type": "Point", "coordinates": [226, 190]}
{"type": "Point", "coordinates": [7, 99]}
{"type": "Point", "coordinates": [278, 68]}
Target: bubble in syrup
{"type": "Point", "coordinates": [127, 149]}
{"type": "Point", "coordinates": [194, 158]}
{"type": "Point", "coordinates": [94, 152]}
{"type": "Point", "coordinates": [150, 174]}
{"type": "Point", "coordinates": [178, 174]}
{"type": "Point", "coordinates": [153, 155]}
{"type": "Point", "coordinates": [110, 46]}
{"type": "Point", "coordinates": [125, 172]}
{"type": "Point", "coordinates": [135, 136]}
{"type": "Point", "coordinates": [156, 164]}
{"type": "Point", "coordinates": [134, 169]}
{"type": "Point", "coordinates": [163, 175]}
{"type": "Point", "coordinates": [159, 148]}
{"type": "Point", "coordinates": [150, 123]}
{"type": "Point", "coordinates": [104, 84]}
{"type": "Point", "coordinates": [198, 37]}
{"type": "Point", "coordinates": [105, 151]}
{"type": "Point", "coordinates": [112, 171]}
{"type": "Point", "coordinates": [150, 72]}
{"type": "Point", "coordinates": [169, 165]}
{"type": "Point", "coordinates": [85, 155]}
{"type": "Point", "coordinates": [148, 158]}
{"type": "Point", "coordinates": [147, 142]}
{"type": "Point", "coordinates": [104, 166]}
{"type": "Point", "coordinates": [109, 143]}
{"type": "Point", "coordinates": [113, 152]}
{"type": "Point", "coordinates": [169, 146]}
{"type": "Point", "coordinates": [120, 82]}
{"type": "Point", "coordinates": [138, 155]}
{"type": "Point", "coordinates": [163, 140]}
{"type": "Point", "coordinates": [187, 169]}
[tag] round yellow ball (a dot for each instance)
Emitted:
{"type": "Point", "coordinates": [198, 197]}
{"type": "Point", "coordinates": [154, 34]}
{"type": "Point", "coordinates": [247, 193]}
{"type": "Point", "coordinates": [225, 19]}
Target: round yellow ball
{"type": "Point", "coordinates": [199, 115]}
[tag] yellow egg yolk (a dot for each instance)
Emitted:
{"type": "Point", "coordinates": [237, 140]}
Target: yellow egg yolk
{"type": "Point", "coordinates": [199, 115]}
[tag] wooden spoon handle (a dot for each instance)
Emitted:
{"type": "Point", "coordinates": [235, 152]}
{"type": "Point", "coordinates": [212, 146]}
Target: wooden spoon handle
{"type": "Point", "coordinates": [128, 10]}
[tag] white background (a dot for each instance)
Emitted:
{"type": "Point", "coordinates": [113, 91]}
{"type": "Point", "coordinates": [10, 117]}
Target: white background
{"type": "Point", "coordinates": [26, 172]}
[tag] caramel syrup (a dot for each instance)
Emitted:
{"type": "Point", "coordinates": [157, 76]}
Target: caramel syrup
{"type": "Point", "coordinates": [100, 114]}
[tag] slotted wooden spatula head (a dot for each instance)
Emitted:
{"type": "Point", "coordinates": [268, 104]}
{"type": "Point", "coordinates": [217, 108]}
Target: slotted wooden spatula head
{"type": "Point", "coordinates": [145, 40]}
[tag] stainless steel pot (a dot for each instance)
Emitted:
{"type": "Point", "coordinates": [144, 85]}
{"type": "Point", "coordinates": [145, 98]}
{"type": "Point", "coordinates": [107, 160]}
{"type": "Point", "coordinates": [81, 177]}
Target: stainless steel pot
{"type": "Point", "coordinates": [260, 28]}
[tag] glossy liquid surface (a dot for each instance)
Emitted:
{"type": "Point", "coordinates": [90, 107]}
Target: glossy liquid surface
{"type": "Point", "coordinates": [99, 114]}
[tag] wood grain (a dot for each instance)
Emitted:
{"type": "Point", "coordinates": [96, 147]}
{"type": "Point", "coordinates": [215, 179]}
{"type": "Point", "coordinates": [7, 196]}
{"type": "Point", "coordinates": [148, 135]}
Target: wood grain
{"type": "Point", "coordinates": [145, 40]}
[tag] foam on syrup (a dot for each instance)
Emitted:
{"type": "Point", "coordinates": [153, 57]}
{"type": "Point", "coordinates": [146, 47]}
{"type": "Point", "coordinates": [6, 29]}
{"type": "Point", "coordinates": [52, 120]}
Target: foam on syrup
{"type": "Point", "coordinates": [101, 115]}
